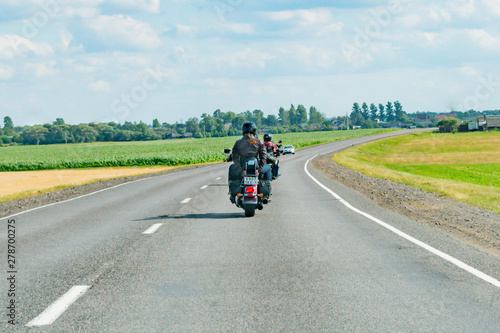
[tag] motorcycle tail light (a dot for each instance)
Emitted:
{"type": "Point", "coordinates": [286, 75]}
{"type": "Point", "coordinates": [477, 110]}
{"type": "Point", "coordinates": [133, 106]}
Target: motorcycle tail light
{"type": "Point", "coordinates": [250, 189]}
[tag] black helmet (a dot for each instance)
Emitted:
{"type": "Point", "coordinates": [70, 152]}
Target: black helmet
{"type": "Point", "coordinates": [248, 127]}
{"type": "Point", "coordinates": [267, 137]}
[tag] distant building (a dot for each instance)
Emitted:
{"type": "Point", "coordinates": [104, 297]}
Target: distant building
{"type": "Point", "coordinates": [492, 122]}
{"type": "Point", "coordinates": [444, 116]}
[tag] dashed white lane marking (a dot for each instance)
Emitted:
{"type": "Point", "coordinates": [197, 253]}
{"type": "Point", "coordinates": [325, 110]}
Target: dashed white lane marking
{"type": "Point", "coordinates": [218, 178]}
{"type": "Point", "coordinates": [185, 201]}
{"type": "Point", "coordinates": [203, 187]}
{"type": "Point", "coordinates": [152, 229]}
{"type": "Point", "coordinates": [415, 241]}
{"type": "Point", "coordinates": [57, 308]}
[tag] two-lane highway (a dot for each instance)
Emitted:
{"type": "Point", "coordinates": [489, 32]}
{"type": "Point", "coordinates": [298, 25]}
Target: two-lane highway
{"type": "Point", "coordinates": [171, 253]}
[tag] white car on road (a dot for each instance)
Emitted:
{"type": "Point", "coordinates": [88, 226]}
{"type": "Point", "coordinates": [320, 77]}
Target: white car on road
{"type": "Point", "coordinates": [288, 149]}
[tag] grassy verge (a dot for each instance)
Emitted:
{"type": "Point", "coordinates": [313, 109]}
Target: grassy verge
{"type": "Point", "coordinates": [464, 166]}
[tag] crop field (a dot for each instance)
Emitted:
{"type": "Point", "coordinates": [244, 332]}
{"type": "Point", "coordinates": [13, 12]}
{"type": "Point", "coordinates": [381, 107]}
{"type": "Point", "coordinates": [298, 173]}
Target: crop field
{"type": "Point", "coordinates": [146, 153]}
{"type": "Point", "coordinates": [463, 166]}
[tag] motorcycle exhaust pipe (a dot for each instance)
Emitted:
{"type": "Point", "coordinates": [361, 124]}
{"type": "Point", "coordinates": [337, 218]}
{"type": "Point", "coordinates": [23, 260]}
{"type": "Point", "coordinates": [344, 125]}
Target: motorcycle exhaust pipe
{"type": "Point", "coordinates": [265, 201]}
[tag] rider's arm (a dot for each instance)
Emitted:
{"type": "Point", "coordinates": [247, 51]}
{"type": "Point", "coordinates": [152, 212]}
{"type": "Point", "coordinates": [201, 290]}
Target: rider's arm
{"type": "Point", "coordinates": [270, 155]}
{"type": "Point", "coordinates": [237, 158]}
{"type": "Point", "coordinates": [262, 155]}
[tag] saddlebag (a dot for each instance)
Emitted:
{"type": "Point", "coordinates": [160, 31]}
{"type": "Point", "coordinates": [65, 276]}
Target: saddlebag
{"type": "Point", "coordinates": [265, 187]}
{"type": "Point", "coordinates": [234, 187]}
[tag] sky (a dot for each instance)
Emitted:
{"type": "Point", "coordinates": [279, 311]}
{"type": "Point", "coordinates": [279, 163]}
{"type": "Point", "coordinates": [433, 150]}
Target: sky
{"type": "Point", "coordinates": [137, 60]}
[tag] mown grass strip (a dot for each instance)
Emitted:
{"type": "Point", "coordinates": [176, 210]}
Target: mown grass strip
{"type": "Point", "coordinates": [464, 166]}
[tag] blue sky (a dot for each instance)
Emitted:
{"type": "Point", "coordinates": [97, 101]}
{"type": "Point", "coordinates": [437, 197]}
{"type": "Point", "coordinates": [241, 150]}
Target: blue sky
{"type": "Point", "coordinates": [131, 60]}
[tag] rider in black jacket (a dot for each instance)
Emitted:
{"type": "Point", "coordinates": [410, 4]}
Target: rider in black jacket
{"type": "Point", "coordinates": [249, 146]}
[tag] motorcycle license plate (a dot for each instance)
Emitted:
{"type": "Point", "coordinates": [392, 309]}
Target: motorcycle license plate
{"type": "Point", "coordinates": [251, 181]}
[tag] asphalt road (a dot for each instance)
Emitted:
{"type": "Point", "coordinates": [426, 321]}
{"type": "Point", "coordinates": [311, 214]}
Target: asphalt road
{"type": "Point", "coordinates": [306, 263]}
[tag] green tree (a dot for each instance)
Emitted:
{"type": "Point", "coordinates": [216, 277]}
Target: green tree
{"type": "Point", "coordinates": [301, 114]}
{"type": "Point", "coordinates": [8, 126]}
{"type": "Point", "coordinates": [248, 116]}
{"type": "Point", "coordinates": [156, 123]}
{"type": "Point", "coordinates": [271, 120]}
{"type": "Point", "coordinates": [85, 133]}
{"type": "Point", "coordinates": [193, 125]}
{"type": "Point", "coordinates": [381, 112]}
{"type": "Point", "coordinates": [8, 123]}
{"type": "Point", "coordinates": [217, 113]}
{"type": "Point", "coordinates": [59, 121]}
{"type": "Point", "coordinates": [228, 117]}
{"type": "Point", "coordinates": [292, 114]}
{"type": "Point", "coordinates": [34, 134]}
{"type": "Point", "coordinates": [389, 111]}
{"type": "Point", "coordinates": [258, 117]}
{"type": "Point", "coordinates": [237, 122]}
{"type": "Point", "coordinates": [316, 117]}
{"type": "Point", "coordinates": [373, 112]}
{"type": "Point", "coordinates": [364, 111]}
{"type": "Point", "coordinates": [450, 124]}
{"type": "Point", "coordinates": [356, 108]}
{"type": "Point", "coordinates": [207, 124]}
{"type": "Point", "coordinates": [400, 115]}
{"type": "Point", "coordinates": [284, 117]}
{"type": "Point", "coordinates": [106, 132]}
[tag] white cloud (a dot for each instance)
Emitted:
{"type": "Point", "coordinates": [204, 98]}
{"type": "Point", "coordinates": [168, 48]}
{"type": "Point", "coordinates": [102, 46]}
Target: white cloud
{"type": "Point", "coordinates": [492, 7]}
{"type": "Point", "coordinates": [185, 29]}
{"type": "Point", "coordinates": [247, 58]}
{"type": "Point", "coordinates": [238, 28]}
{"type": "Point", "coordinates": [484, 39]}
{"type": "Point", "coordinates": [150, 6]}
{"type": "Point", "coordinates": [319, 21]}
{"type": "Point", "coordinates": [41, 69]}
{"type": "Point", "coordinates": [15, 45]}
{"type": "Point", "coordinates": [124, 30]}
{"type": "Point", "coordinates": [302, 16]}
{"type": "Point", "coordinates": [66, 39]}
{"type": "Point", "coordinates": [100, 86]}
{"type": "Point", "coordinates": [6, 72]}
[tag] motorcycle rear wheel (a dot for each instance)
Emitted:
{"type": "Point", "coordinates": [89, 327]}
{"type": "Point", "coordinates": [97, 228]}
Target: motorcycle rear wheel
{"type": "Point", "coordinates": [249, 210]}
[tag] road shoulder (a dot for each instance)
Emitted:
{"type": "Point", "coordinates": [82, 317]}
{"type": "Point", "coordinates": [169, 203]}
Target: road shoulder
{"type": "Point", "coordinates": [476, 226]}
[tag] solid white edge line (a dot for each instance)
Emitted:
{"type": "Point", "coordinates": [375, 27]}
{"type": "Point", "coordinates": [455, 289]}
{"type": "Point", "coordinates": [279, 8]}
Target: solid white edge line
{"type": "Point", "coordinates": [152, 229]}
{"type": "Point", "coordinates": [185, 201]}
{"type": "Point", "coordinates": [203, 187]}
{"type": "Point", "coordinates": [415, 241]}
{"type": "Point", "coordinates": [56, 309]}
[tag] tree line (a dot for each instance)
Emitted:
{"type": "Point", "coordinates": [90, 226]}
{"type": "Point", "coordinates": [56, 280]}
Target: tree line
{"type": "Point", "coordinates": [367, 116]}
{"type": "Point", "coordinates": [218, 124]}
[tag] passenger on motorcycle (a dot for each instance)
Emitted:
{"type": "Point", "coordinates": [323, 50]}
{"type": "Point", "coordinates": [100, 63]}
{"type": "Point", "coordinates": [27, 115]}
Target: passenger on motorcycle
{"type": "Point", "coordinates": [249, 146]}
{"type": "Point", "coordinates": [272, 154]}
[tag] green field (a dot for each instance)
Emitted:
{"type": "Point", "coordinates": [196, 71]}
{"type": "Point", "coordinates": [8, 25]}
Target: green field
{"type": "Point", "coordinates": [147, 153]}
{"type": "Point", "coordinates": [463, 166]}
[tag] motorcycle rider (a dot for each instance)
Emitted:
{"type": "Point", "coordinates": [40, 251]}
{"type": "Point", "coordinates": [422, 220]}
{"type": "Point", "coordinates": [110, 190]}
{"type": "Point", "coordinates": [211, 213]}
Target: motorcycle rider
{"type": "Point", "coordinates": [248, 146]}
{"type": "Point", "coordinates": [272, 154]}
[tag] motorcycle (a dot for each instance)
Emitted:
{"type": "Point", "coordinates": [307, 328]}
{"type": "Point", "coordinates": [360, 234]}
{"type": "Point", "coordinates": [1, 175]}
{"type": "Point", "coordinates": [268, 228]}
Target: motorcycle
{"type": "Point", "coordinates": [250, 193]}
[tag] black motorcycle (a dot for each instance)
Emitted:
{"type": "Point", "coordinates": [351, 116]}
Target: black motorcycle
{"type": "Point", "coordinates": [249, 193]}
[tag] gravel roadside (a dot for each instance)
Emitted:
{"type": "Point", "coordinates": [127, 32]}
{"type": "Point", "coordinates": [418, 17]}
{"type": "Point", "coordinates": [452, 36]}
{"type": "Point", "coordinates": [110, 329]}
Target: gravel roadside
{"type": "Point", "coordinates": [474, 225]}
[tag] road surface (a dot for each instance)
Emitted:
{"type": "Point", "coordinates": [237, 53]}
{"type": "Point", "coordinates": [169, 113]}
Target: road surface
{"type": "Point", "coordinates": [171, 254]}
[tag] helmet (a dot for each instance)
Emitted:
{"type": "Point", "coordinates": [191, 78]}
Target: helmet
{"type": "Point", "coordinates": [267, 137]}
{"type": "Point", "coordinates": [248, 127]}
